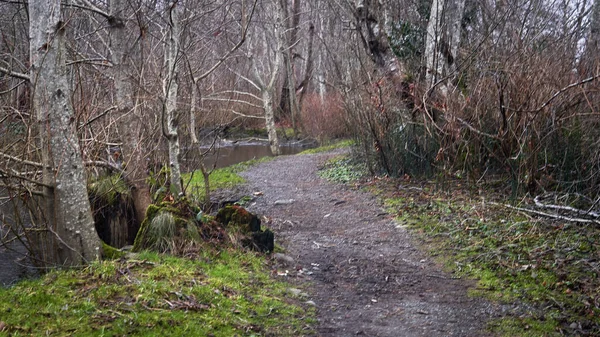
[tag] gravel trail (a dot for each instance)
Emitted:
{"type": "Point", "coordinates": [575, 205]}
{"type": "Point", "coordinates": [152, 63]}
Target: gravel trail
{"type": "Point", "coordinates": [365, 274]}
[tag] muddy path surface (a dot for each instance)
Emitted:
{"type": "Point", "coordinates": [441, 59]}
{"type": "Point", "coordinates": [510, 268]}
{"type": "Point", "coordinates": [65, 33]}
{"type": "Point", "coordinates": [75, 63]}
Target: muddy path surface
{"type": "Point", "coordinates": [364, 273]}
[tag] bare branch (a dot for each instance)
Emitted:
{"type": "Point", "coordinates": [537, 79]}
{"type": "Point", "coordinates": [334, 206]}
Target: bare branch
{"type": "Point", "coordinates": [246, 116]}
{"type": "Point", "coordinates": [23, 161]}
{"type": "Point", "coordinates": [15, 74]}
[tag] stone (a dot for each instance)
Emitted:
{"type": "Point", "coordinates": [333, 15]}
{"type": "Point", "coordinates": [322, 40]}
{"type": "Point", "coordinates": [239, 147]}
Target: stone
{"type": "Point", "coordinates": [284, 260]}
{"type": "Point", "coordinates": [284, 202]}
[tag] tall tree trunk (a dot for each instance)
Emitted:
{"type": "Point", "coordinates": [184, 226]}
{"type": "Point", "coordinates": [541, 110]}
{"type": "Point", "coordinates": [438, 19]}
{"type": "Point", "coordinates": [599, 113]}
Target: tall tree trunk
{"type": "Point", "coordinates": [193, 102]}
{"type": "Point", "coordinates": [288, 102]}
{"type": "Point", "coordinates": [434, 65]}
{"type": "Point", "coordinates": [171, 89]}
{"type": "Point", "coordinates": [308, 71]}
{"type": "Point", "coordinates": [67, 205]}
{"type": "Point", "coordinates": [130, 126]}
{"type": "Point", "coordinates": [369, 15]}
{"type": "Point", "coordinates": [443, 41]}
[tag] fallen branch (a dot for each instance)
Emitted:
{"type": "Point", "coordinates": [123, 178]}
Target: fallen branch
{"type": "Point", "coordinates": [549, 215]}
{"type": "Point", "coordinates": [577, 211]}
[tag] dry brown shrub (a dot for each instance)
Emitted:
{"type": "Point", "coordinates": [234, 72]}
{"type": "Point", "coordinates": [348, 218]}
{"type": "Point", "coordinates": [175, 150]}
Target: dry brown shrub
{"type": "Point", "coordinates": [325, 119]}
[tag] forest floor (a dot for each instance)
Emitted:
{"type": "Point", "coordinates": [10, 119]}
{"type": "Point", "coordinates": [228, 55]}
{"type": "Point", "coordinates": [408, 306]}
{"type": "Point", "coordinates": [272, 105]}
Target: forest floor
{"type": "Point", "coordinates": [366, 274]}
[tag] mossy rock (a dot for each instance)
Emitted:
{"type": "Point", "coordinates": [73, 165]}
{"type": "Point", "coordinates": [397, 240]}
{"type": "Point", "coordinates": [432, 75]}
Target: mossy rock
{"type": "Point", "coordinates": [111, 253]}
{"type": "Point", "coordinates": [238, 216]}
{"type": "Point", "coordinates": [238, 220]}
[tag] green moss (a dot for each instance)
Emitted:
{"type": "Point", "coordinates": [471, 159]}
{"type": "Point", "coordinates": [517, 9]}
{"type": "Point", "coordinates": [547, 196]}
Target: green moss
{"type": "Point", "coordinates": [111, 253]}
{"type": "Point", "coordinates": [151, 212]}
{"type": "Point", "coordinates": [512, 258]}
{"type": "Point", "coordinates": [525, 327]}
{"type": "Point", "coordinates": [224, 293]}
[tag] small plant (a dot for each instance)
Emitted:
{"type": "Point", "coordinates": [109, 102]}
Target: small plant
{"type": "Point", "coordinates": [343, 169]}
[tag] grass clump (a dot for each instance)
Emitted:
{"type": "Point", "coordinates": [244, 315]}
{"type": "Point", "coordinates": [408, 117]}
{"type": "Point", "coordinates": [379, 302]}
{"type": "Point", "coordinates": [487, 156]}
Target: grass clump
{"type": "Point", "coordinates": [219, 293]}
{"type": "Point", "coordinates": [108, 188]}
{"type": "Point", "coordinates": [329, 147]}
{"type": "Point", "coordinates": [549, 268]}
{"type": "Point", "coordinates": [343, 169]}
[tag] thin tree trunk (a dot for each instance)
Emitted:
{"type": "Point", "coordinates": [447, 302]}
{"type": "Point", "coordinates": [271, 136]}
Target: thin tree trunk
{"type": "Point", "coordinates": [308, 71]}
{"type": "Point", "coordinates": [68, 208]}
{"type": "Point", "coordinates": [193, 102]}
{"type": "Point", "coordinates": [171, 89]}
{"type": "Point", "coordinates": [267, 97]}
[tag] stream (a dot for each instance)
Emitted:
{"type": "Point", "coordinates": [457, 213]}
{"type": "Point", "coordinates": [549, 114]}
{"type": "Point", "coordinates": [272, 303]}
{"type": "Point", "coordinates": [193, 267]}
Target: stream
{"type": "Point", "coordinates": [231, 153]}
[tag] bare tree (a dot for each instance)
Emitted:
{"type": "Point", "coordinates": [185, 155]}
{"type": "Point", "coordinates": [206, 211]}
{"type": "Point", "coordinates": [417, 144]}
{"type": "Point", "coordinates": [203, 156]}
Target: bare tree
{"type": "Point", "coordinates": [67, 208]}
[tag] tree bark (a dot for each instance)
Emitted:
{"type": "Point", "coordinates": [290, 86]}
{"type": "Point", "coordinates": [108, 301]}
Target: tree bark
{"type": "Point", "coordinates": [443, 41]}
{"type": "Point", "coordinates": [372, 31]}
{"type": "Point", "coordinates": [267, 97]}
{"type": "Point", "coordinates": [433, 64]}
{"type": "Point", "coordinates": [130, 126]}
{"type": "Point", "coordinates": [171, 90]}
{"type": "Point", "coordinates": [67, 205]}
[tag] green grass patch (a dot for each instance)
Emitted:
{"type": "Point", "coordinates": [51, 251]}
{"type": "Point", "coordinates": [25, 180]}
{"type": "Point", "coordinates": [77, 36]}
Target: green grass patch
{"type": "Point", "coordinates": [343, 169]}
{"type": "Point", "coordinates": [329, 147]}
{"type": "Point", "coordinates": [219, 293]}
{"type": "Point", "coordinates": [221, 178]}
{"type": "Point", "coordinates": [550, 267]}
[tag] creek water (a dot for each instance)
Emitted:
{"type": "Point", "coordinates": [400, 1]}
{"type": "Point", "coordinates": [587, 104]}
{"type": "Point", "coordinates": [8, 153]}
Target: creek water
{"type": "Point", "coordinates": [234, 153]}
{"type": "Point", "coordinates": [14, 264]}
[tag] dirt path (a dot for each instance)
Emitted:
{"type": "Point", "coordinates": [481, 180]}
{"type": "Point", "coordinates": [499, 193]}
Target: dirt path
{"type": "Point", "coordinates": [365, 275]}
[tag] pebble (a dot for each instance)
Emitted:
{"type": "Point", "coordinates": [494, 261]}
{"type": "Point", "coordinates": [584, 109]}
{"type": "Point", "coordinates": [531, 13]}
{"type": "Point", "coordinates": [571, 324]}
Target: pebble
{"type": "Point", "coordinates": [283, 259]}
{"type": "Point", "coordinates": [311, 303]}
{"type": "Point", "coordinates": [284, 202]}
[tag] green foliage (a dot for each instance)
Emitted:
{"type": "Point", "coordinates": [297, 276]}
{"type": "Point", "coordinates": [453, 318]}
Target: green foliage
{"type": "Point", "coordinates": [343, 169]}
{"type": "Point", "coordinates": [325, 148]}
{"type": "Point", "coordinates": [161, 232]}
{"type": "Point", "coordinates": [225, 293]}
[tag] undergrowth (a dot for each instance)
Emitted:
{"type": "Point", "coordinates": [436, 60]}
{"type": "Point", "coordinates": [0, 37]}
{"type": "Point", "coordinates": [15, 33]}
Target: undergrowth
{"type": "Point", "coordinates": [343, 169]}
{"type": "Point", "coordinates": [549, 269]}
{"type": "Point", "coordinates": [220, 293]}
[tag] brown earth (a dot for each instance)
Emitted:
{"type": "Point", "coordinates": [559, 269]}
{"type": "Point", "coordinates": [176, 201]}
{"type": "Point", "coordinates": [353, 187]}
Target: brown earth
{"type": "Point", "coordinates": [364, 272]}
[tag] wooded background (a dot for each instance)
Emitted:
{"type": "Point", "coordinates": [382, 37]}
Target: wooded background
{"type": "Point", "coordinates": [444, 88]}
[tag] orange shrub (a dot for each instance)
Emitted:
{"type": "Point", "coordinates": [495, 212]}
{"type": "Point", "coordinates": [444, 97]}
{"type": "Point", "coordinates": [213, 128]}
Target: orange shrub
{"type": "Point", "coordinates": [324, 119]}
